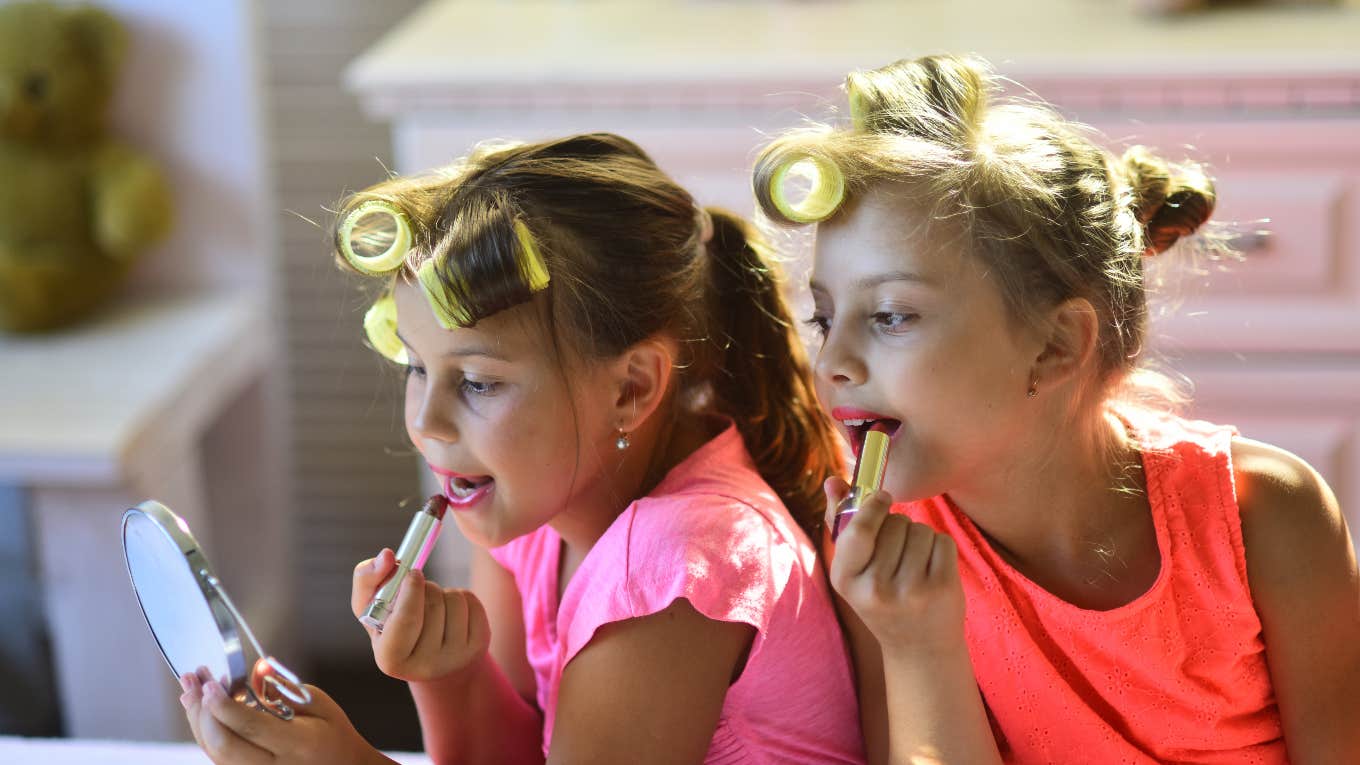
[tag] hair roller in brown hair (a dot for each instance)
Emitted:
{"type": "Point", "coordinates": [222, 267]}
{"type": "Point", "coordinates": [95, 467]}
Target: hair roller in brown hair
{"type": "Point", "coordinates": [375, 237]}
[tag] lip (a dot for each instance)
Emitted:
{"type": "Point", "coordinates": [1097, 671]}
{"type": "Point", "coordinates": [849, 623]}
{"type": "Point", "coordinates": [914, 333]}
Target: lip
{"type": "Point", "coordinates": [856, 435]}
{"type": "Point", "coordinates": [460, 503]}
{"type": "Point", "coordinates": [456, 502]}
{"type": "Point", "coordinates": [439, 471]}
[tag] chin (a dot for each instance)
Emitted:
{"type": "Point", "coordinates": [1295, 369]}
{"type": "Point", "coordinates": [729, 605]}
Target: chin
{"type": "Point", "coordinates": [909, 488]}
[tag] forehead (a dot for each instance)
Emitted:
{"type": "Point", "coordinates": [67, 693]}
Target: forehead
{"type": "Point", "coordinates": [886, 229]}
{"type": "Point", "coordinates": [512, 334]}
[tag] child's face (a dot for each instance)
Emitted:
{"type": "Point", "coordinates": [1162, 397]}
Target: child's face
{"type": "Point", "coordinates": [490, 410]}
{"type": "Point", "coordinates": [917, 333]}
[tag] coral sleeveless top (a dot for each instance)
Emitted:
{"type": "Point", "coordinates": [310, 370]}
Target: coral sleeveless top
{"type": "Point", "coordinates": [1177, 675]}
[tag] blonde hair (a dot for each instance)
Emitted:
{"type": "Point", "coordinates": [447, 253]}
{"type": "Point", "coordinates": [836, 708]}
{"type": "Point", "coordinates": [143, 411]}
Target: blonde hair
{"type": "Point", "coordinates": [1052, 214]}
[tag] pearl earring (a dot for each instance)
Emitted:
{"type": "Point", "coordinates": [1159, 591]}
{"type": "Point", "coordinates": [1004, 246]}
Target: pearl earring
{"type": "Point", "coordinates": [622, 442]}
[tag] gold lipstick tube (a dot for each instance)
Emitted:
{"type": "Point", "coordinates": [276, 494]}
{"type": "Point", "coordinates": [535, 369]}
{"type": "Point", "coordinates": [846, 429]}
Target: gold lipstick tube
{"type": "Point", "coordinates": [869, 469]}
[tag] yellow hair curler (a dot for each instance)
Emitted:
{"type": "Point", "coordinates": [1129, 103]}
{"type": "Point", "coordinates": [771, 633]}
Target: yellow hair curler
{"type": "Point", "coordinates": [856, 108]}
{"type": "Point", "coordinates": [532, 260]}
{"type": "Point", "coordinates": [448, 313]}
{"type": "Point", "coordinates": [378, 226]}
{"type": "Point", "coordinates": [380, 324]}
{"type": "Point", "coordinates": [826, 193]}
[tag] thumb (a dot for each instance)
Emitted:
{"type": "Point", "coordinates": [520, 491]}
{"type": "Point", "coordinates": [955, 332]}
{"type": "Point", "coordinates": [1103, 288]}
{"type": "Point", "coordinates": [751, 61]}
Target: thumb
{"type": "Point", "coordinates": [368, 577]}
{"type": "Point", "coordinates": [321, 705]}
{"type": "Point", "coordinates": [835, 489]}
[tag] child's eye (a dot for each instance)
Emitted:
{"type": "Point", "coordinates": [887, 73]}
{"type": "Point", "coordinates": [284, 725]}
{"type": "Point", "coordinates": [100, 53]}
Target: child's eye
{"type": "Point", "coordinates": [478, 387]}
{"type": "Point", "coordinates": [893, 322]}
{"type": "Point", "coordinates": [820, 323]}
{"type": "Point", "coordinates": [412, 369]}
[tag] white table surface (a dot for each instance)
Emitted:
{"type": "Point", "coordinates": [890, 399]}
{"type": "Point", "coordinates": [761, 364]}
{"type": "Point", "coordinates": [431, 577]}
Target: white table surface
{"type": "Point", "coordinates": [81, 404]}
{"type": "Point", "coordinates": [68, 751]}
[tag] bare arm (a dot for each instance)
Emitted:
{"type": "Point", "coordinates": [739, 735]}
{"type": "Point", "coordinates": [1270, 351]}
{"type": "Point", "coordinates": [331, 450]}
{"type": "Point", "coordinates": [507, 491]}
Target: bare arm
{"type": "Point", "coordinates": [1302, 571]}
{"type": "Point", "coordinates": [485, 713]}
{"type": "Point", "coordinates": [867, 659]}
{"type": "Point", "coordinates": [649, 689]}
{"type": "Point", "coordinates": [919, 698]}
{"type": "Point", "coordinates": [472, 685]}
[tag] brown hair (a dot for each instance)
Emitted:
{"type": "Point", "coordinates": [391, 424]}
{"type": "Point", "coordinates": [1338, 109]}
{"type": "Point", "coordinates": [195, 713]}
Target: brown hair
{"type": "Point", "coordinates": [629, 256]}
{"type": "Point", "coordinates": [1052, 214]}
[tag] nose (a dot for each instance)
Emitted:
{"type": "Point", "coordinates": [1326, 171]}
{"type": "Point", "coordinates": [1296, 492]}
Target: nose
{"type": "Point", "coordinates": [839, 363]}
{"type": "Point", "coordinates": [430, 416]}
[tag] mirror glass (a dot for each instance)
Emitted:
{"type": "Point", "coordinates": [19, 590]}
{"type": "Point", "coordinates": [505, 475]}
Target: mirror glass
{"type": "Point", "coordinates": [176, 607]}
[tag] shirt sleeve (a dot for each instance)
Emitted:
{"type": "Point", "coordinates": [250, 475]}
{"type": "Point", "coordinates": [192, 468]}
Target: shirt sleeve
{"type": "Point", "coordinates": [722, 555]}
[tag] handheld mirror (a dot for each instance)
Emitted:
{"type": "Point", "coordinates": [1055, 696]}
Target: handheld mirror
{"type": "Point", "coordinates": [191, 617]}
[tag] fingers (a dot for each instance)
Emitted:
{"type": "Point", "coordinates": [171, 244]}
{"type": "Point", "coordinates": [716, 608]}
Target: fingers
{"type": "Point", "coordinates": [916, 554]}
{"type": "Point", "coordinates": [835, 490]}
{"type": "Point", "coordinates": [441, 613]}
{"type": "Point", "coordinates": [894, 539]}
{"type": "Point", "coordinates": [322, 705]}
{"type": "Point", "coordinates": [368, 577]}
{"type": "Point", "coordinates": [855, 545]}
{"type": "Point", "coordinates": [478, 625]}
{"type": "Point", "coordinates": [399, 636]}
{"type": "Point", "coordinates": [225, 729]}
{"type": "Point", "coordinates": [944, 559]}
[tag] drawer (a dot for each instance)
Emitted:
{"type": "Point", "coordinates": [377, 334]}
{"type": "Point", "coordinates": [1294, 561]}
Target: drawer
{"type": "Point", "coordinates": [1288, 198]}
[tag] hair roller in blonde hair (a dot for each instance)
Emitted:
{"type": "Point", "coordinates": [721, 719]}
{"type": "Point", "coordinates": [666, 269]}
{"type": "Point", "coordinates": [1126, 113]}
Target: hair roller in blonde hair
{"type": "Point", "coordinates": [380, 324]}
{"type": "Point", "coordinates": [375, 227]}
{"type": "Point", "coordinates": [826, 193]}
{"type": "Point", "coordinates": [858, 118]}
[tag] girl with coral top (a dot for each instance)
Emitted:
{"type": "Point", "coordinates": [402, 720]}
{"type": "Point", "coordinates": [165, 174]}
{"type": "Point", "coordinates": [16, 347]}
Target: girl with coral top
{"type": "Point", "coordinates": [605, 378]}
{"type": "Point", "coordinates": [1072, 573]}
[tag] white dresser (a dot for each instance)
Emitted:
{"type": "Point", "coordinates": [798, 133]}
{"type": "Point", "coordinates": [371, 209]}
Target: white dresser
{"type": "Point", "coordinates": [1270, 98]}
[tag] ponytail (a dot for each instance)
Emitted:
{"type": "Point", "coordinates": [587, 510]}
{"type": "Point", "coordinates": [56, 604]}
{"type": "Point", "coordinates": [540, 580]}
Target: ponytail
{"type": "Point", "coordinates": [761, 377]}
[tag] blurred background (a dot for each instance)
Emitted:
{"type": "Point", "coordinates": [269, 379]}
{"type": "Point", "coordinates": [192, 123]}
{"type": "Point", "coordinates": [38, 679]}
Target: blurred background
{"type": "Point", "coordinates": [226, 373]}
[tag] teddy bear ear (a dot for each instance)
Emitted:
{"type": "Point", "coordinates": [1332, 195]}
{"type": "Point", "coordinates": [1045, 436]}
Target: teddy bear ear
{"type": "Point", "coordinates": [99, 34]}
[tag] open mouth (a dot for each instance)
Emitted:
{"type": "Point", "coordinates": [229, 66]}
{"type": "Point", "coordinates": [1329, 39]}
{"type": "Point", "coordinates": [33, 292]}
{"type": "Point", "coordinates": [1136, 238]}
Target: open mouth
{"type": "Point", "coordinates": [463, 491]}
{"type": "Point", "coordinates": [858, 427]}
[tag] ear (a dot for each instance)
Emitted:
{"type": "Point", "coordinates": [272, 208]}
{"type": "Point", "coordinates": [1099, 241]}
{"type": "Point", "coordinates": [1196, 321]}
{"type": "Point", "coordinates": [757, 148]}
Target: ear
{"type": "Point", "coordinates": [641, 376]}
{"type": "Point", "coordinates": [1073, 330]}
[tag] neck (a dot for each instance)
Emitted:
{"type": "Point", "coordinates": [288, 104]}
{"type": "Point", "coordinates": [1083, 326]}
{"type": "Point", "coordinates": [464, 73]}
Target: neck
{"type": "Point", "coordinates": [661, 443]}
{"type": "Point", "coordinates": [1063, 495]}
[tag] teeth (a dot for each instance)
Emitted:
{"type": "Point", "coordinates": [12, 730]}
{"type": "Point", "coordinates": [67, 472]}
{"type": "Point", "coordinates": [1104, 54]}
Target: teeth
{"type": "Point", "coordinates": [854, 423]}
{"type": "Point", "coordinates": [463, 488]}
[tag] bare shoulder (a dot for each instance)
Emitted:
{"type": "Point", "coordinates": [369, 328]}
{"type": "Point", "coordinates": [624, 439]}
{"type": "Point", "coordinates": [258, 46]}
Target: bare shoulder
{"type": "Point", "coordinates": [1282, 498]}
{"type": "Point", "coordinates": [1304, 583]}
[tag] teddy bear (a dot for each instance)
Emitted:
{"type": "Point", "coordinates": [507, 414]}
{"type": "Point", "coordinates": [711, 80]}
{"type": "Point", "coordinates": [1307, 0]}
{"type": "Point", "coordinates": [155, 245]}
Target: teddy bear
{"type": "Point", "coordinates": [77, 207]}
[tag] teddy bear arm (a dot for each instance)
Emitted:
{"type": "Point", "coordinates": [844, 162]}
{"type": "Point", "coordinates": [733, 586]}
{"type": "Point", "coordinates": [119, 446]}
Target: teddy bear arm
{"type": "Point", "coordinates": [132, 204]}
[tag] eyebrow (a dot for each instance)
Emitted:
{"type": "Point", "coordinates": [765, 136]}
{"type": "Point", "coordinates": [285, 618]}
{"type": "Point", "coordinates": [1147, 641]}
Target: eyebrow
{"type": "Point", "coordinates": [464, 352]}
{"type": "Point", "coordinates": [874, 280]}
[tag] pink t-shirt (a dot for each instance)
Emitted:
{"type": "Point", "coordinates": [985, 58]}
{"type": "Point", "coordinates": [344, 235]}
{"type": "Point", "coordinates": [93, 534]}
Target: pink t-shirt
{"type": "Point", "coordinates": [714, 533]}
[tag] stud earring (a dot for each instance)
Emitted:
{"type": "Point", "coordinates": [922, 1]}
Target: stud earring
{"type": "Point", "coordinates": [622, 442]}
{"type": "Point", "coordinates": [1033, 388]}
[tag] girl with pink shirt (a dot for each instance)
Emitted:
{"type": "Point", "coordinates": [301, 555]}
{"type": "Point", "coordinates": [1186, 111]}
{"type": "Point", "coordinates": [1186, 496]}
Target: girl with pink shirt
{"type": "Point", "coordinates": [1073, 573]}
{"type": "Point", "coordinates": [606, 380]}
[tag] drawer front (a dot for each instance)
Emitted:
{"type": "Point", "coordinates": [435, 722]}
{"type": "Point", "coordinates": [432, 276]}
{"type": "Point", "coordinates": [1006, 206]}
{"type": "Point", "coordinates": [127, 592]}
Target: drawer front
{"type": "Point", "coordinates": [1288, 203]}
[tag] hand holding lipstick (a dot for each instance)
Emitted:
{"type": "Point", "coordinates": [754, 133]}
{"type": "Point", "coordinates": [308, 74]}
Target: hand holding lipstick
{"type": "Point", "coordinates": [432, 631]}
{"type": "Point", "coordinates": [900, 577]}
